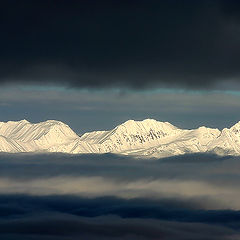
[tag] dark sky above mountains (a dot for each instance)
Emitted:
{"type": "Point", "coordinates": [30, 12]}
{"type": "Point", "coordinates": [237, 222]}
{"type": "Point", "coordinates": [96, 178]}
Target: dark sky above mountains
{"type": "Point", "coordinates": [127, 44]}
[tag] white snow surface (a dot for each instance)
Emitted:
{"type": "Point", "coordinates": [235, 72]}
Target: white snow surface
{"type": "Point", "coordinates": [148, 138]}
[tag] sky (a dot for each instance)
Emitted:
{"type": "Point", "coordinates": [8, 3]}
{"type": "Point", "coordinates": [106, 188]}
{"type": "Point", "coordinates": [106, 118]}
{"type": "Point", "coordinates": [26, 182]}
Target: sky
{"type": "Point", "coordinates": [95, 64]}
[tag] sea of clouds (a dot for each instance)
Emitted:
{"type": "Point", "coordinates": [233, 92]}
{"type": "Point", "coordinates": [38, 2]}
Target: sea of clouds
{"type": "Point", "coordinates": [57, 196]}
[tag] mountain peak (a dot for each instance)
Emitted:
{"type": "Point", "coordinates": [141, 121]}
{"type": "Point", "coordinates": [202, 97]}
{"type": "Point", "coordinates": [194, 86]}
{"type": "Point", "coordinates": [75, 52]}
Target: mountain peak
{"type": "Point", "coordinates": [37, 133]}
{"type": "Point", "coordinates": [24, 121]}
{"type": "Point", "coordinates": [236, 129]}
{"type": "Point", "coordinates": [147, 122]}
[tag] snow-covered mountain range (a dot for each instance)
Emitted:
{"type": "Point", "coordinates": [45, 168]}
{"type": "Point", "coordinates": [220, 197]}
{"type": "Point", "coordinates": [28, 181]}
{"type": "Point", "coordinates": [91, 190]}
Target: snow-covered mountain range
{"type": "Point", "coordinates": [149, 138]}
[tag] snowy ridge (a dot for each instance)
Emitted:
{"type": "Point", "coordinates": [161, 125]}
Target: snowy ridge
{"type": "Point", "coordinates": [149, 138]}
{"type": "Point", "coordinates": [23, 136]}
{"type": "Point", "coordinates": [131, 135]}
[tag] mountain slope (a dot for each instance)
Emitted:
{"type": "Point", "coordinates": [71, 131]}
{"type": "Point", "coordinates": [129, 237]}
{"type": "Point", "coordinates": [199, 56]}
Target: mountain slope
{"type": "Point", "coordinates": [228, 142]}
{"type": "Point", "coordinates": [24, 136]}
{"type": "Point", "coordinates": [189, 141]}
{"type": "Point", "coordinates": [132, 135]}
{"type": "Point", "coordinates": [149, 138]}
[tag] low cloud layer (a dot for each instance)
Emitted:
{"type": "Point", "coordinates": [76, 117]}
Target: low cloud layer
{"type": "Point", "coordinates": [57, 196]}
{"type": "Point", "coordinates": [213, 181]}
{"type": "Point", "coordinates": [191, 44]}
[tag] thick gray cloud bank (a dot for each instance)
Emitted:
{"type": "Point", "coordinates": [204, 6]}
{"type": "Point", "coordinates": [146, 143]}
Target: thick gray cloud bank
{"type": "Point", "coordinates": [136, 44]}
{"type": "Point", "coordinates": [108, 196]}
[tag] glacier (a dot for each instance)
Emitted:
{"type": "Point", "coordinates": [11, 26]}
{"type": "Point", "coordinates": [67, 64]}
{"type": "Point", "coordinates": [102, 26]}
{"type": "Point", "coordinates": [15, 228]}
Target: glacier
{"type": "Point", "coordinates": [148, 138]}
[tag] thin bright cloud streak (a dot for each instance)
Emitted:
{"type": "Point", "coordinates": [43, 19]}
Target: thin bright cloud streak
{"type": "Point", "coordinates": [225, 197]}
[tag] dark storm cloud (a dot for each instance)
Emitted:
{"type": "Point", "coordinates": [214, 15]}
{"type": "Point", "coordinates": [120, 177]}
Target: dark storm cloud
{"type": "Point", "coordinates": [137, 44]}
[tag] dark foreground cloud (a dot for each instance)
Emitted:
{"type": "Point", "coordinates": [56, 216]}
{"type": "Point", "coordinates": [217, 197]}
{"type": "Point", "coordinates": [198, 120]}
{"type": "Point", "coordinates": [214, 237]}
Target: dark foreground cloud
{"type": "Point", "coordinates": [61, 217]}
{"type": "Point", "coordinates": [68, 227]}
{"type": "Point", "coordinates": [98, 44]}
